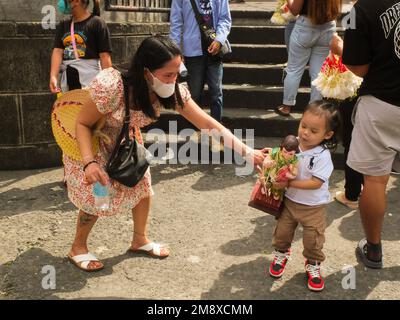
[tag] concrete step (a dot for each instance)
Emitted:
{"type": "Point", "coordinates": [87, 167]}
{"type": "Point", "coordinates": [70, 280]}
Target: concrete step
{"type": "Point", "coordinates": [264, 123]}
{"type": "Point", "coordinates": [258, 97]}
{"type": "Point", "coordinates": [258, 74]}
{"type": "Point", "coordinates": [258, 17]}
{"type": "Point", "coordinates": [259, 13]}
{"type": "Point", "coordinates": [263, 34]}
{"type": "Point", "coordinates": [257, 53]}
{"type": "Point", "coordinates": [166, 148]}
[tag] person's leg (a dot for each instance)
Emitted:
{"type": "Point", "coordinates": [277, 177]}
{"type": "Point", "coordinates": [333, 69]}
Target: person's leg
{"type": "Point", "coordinates": [318, 55]}
{"type": "Point", "coordinates": [196, 67]}
{"type": "Point", "coordinates": [84, 225]}
{"type": "Point", "coordinates": [299, 54]}
{"type": "Point", "coordinates": [285, 229]}
{"type": "Point", "coordinates": [372, 211]}
{"type": "Point", "coordinates": [313, 220]}
{"type": "Point", "coordinates": [288, 32]}
{"type": "Point", "coordinates": [282, 240]}
{"type": "Point", "coordinates": [140, 216]}
{"type": "Point", "coordinates": [373, 206]}
{"type": "Point", "coordinates": [374, 149]}
{"type": "Point", "coordinates": [353, 179]}
{"type": "Point", "coordinates": [214, 75]}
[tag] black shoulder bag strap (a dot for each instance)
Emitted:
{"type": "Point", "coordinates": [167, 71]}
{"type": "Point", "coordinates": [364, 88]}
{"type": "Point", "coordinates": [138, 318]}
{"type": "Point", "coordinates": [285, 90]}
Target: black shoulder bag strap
{"type": "Point", "coordinates": [125, 127]}
{"type": "Point", "coordinates": [199, 18]}
{"type": "Point", "coordinates": [201, 25]}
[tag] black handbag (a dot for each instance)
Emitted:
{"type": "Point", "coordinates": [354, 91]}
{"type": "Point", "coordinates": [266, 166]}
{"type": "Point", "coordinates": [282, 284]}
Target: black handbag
{"type": "Point", "coordinates": [208, 34]}
{"type": "Point", "coordinates": [128, 162]}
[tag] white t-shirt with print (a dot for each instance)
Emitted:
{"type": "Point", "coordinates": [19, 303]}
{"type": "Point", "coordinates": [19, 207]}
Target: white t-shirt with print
{"type": "Point", "coordinates": [316, 162]}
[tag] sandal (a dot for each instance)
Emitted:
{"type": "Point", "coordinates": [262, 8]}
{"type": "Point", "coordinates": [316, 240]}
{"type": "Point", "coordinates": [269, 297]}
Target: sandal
{"type": "Point", "coordinates": [152, 249]}
{"type": "Point", "coordinates": [82, 261]}
{"type": "Point", "coordinates": [280, 110]}
{"type": "Point", "coordinates": [340, 197]}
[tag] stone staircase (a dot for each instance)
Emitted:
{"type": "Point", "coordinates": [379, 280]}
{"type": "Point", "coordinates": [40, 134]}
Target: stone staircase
{"type": "Point", "coordinates": [252, 83]}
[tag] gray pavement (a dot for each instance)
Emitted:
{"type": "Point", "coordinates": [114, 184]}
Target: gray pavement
{"type": "Point", "coordinates": [220, 247]}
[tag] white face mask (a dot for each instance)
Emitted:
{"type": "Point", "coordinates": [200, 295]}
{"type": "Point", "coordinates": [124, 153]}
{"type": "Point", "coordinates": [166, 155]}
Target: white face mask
{"type": "Point", "coordinates": [163, 90]}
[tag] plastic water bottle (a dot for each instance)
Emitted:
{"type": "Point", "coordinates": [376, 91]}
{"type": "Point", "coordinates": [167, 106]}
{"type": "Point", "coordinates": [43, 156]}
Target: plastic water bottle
{"type": "Point", "coordinates": [101, 197]}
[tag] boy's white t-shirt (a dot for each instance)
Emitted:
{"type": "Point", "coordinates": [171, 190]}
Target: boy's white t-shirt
{"type": "Point", "coordinates": [320, 167]}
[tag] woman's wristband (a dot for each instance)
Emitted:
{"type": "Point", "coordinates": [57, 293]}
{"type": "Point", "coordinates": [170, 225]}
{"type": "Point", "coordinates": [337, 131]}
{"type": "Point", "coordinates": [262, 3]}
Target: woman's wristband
{"type": "Point", "coordinates": [89, 163]}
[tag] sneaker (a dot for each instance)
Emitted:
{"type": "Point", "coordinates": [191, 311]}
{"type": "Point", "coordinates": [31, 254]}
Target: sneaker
{"type": "Point", "coordinates": [341, 198]}
{"type": "Point", "coordinates": [394, 172]}
{"type": "Point", "coordinates": [362, 249]}
{"type": "Point", "coordinates": [277, 267]}
{"type": "Point", "coordinates": [314, 279]}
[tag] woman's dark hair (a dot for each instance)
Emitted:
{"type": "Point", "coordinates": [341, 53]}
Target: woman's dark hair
{"type": "Point", "coordinates": [153, 53]}
{"type": "Point", "coordinates": [333, 120]}
{"type": "Point", "coordinates": [96, 6]}
{"type": "Point", "coordinates": [323, 11]}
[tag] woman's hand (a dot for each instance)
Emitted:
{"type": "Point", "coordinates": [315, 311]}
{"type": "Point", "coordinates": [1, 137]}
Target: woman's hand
{"type": "Point", "coordinates": [336, 45]}
{"type": "Point", "coordinates": [259, 156]}
{"type": "Point", "coordinates": [94, 173]}
{"type": "Point", "coordinates": [53, 85]}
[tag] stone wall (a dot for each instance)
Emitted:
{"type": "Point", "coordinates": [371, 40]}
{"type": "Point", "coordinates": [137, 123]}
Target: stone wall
{"type": "Point", "coordinates": [26, 140]}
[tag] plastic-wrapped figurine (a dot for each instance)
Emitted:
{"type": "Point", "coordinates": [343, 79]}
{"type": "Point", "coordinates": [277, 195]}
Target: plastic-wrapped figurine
{"type": "Point", "coordinates": [282, 14]}
{"type": "Point", "coordinates": [280, 165]}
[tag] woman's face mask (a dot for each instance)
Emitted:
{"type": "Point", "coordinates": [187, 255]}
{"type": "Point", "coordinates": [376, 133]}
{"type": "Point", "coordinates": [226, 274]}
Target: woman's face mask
{"type": "Point", "coordinates": [163, 90]}
{"type": "Point", "coordinates": [64, 7]}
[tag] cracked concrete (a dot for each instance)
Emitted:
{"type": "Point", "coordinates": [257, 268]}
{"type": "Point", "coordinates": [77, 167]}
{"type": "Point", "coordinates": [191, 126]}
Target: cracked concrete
{"type": "Point", "coordinates": [220, 247]}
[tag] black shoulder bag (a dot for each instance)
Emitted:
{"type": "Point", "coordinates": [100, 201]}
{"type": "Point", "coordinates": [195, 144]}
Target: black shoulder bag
{"type": "Point", "coordinates": [208, 34]}
{"type": "Point", "coordinates": [128, 162]}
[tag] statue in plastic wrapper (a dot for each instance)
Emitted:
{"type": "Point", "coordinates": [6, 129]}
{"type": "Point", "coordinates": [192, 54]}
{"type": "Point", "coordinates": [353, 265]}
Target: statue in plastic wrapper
{"type": "Point", "coordinates": [280, 165]}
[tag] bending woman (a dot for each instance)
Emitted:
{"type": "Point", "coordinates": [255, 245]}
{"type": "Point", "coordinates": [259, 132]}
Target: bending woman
{"type": "Point", "coordinates": [152, 86]}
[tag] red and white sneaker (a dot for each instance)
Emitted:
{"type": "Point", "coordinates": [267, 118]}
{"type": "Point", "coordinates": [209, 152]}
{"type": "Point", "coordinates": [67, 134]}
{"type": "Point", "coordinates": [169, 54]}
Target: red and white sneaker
{"type": "Point", "coordinates": [277, 267]}
{"type": "Point", "coordinates": [314, 279]}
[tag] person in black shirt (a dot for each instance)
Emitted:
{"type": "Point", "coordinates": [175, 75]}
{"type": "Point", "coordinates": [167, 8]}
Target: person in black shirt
{"type": "Point", "coordinates": [372, 50]}
{"type": "Point", "coordinates": [79, 64]}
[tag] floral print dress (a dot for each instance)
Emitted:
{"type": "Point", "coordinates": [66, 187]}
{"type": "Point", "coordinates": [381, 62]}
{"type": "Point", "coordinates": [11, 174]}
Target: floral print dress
{"type": "Point", "coordinates": [107, 92]}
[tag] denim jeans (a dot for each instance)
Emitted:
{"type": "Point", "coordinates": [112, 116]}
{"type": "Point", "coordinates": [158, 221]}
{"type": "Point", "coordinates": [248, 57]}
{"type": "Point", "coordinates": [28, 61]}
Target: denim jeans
{"type": "Point", "coordinates": [202, 70]}
{"type": "Point", "coordinates": [308, 43]}
{"type": "Point", "coordinates": [288, 32]}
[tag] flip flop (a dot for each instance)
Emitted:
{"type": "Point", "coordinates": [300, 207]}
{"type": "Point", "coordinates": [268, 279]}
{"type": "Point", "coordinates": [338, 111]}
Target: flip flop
{"type": "Point", "coordinates": [82, 261]}
{"type": "Point", "coordinates": [152, 249]}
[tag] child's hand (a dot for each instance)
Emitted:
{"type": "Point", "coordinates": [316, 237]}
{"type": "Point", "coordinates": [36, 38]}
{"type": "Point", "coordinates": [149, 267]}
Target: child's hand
{"type": "Point", "coordinates": [280, 185]}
